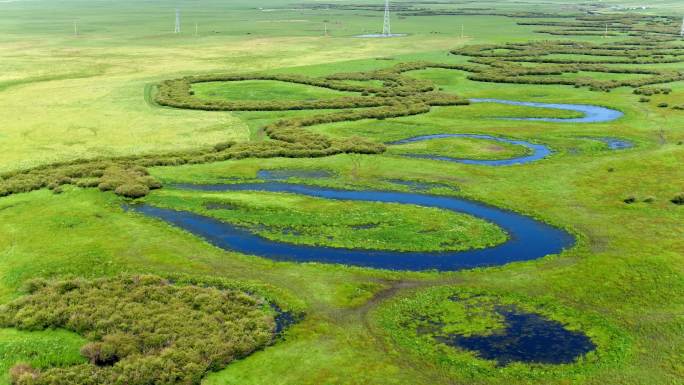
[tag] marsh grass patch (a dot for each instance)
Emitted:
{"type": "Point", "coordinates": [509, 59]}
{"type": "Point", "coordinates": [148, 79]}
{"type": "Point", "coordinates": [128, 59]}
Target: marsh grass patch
{"type": "Point", "coordinates": [142, 329]}
{"type": "Point", "coordinates": [437, 324]}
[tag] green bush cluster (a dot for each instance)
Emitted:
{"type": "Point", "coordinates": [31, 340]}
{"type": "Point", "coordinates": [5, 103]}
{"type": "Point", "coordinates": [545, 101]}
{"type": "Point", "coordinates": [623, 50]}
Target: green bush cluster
{"type": "Point", "coordinates": [134, 182]}
{"type": "Point", "coordinates": [678, 199]}
{"type": "Point", "coordinates": [502, 63]}
{"type": "Point", "coordinates": [649, 91]}
{"type": "Point", "coordinates": [143, 329]}
{"type": "Point", "coordinates": [178, 92]}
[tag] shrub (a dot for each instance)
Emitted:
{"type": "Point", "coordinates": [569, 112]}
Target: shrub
{"type": "Point", "coordinates": [663, 105]}
{"type": "Point", "coordinates": [132, 190]}
{"type": "Point", "coordinates": [23, 373]}
{"type": "Point", "coordinates": [143, 329]}
{"type": "Point", "coordinates": [678, 199]}
{"type": "Point", "coordinates": [630, 199]}
{"type": "Point", "coordinates": [223, 145]}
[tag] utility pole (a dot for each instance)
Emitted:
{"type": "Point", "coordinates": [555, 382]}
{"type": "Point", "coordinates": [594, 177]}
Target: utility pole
{"type": "Point", "coordinates": [75, 28]}
{"type": "Point", "coordinates": [178, 22]}
{"type": "Point", "coordinates": [325, 26]}
{"type": "Point", "coordinates": [196, 29]}
{"type": "Point", "coordinates": [682, 33]}
{"type": "Point", "coordinates": [386, 29]}
{"type": "Point", "coordinates": [462, 31]}
{"type": "Point", "coordinates": [605, 35]}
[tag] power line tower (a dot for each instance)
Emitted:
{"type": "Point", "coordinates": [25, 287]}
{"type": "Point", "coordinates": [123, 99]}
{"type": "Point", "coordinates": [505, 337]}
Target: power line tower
{"type": "Point", "coordinates": [386, 29]}
{"type": "Point", "coordinates": [178, 24]}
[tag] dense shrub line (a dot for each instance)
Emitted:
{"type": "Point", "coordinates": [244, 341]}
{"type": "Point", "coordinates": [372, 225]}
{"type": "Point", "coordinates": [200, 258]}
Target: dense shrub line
{"type": "Point", "coordinates": [501, 63]}
{"type": "Point", "coordinates": [649, 91]}
{"type": "Point", "coordinates": [143, 329]}
{"type": "Point", "coordinates": [635, 25]}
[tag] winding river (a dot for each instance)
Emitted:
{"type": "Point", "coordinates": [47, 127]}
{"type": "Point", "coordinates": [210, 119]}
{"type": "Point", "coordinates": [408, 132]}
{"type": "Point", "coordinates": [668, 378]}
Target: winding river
{"type": "Point", "coordinates": [528, 238]}
{"type": "Point", "coordinates": [592, 114]}
{"type": "Point", "coordinates": [537, 151]}
{"type": "Point", "coordinates": [528, 337]}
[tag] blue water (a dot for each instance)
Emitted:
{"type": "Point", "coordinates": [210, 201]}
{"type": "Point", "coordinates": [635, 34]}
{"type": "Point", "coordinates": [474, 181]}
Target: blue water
{"type": "Point", "coordinates": [592, 114]}
{"type": "Point", "coordinates": [283, 174]}
{"type": "Point", "coordinates": [537, 151]}
{"type": "Point", "coordinates": [527, 337]}
{"type": "Point", "coordinates": [613, 143]}
{"type": "Point", "coordinates": [528, 238]}
{"type": "Point", "coordinates": [414, 185]}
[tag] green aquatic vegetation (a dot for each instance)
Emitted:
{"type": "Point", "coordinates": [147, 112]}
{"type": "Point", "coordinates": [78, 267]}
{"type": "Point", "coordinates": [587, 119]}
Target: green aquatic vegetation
{"type": "Point", "coordinates": [143, 329]}
{"type": "Point", "coordinates": [414, 320]}
{"type": "Point", "coordinates": [321, 222]}
{"type": "Point", "coordinates": [461, 148]}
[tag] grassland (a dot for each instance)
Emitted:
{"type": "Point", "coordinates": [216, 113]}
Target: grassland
{"type": "Point", "coordinates": [261, 90]}
{"type": "Point", "coordinates": [68, 97]}
{"type": "Point", "coordinates": [311, 221]}
{"type": "Point", "coordinates": [40, 349]}
{"type": "Point", "coordinates": [465, 148]}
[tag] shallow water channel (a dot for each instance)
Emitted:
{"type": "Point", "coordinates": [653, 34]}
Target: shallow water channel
{"type": "Point", "coordinates": [592, 114]}
{"type": "Point", "coordinates": [537, 151]}
{"type": "Point", "coordinates": [528, 238]}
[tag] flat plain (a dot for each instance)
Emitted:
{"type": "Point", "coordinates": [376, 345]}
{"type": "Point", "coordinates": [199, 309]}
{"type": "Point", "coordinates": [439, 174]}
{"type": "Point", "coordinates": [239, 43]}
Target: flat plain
{"type": "Point", "coordinates": [82, 87]}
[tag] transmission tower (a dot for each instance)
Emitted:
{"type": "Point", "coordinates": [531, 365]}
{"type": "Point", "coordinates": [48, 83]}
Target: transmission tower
{"type": "Point", "coordinates": [386, 29]}
{"type": "Point", "coordinates": [178, 25]}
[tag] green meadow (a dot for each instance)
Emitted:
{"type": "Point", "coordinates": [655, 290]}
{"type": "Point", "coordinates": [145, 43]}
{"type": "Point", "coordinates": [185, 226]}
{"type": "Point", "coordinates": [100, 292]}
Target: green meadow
{"type": "Point", "coordinates": [79, 81]}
